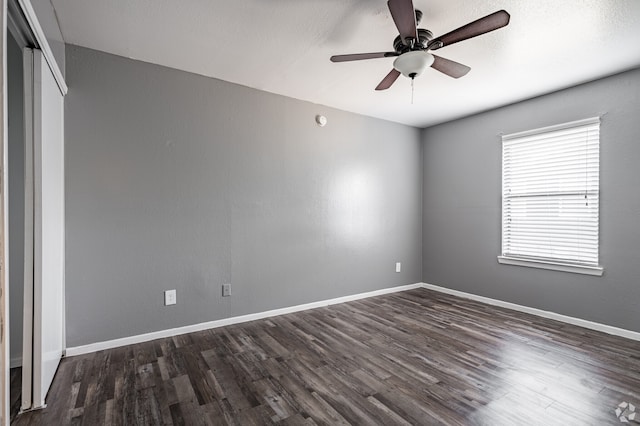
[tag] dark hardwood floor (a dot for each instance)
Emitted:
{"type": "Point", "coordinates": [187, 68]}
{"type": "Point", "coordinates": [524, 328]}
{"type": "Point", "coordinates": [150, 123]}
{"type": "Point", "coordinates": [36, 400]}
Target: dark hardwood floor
{"type": "Point", "coordinates": [416, 357]}
{"type": "Point", "coordinates": [15, 390]}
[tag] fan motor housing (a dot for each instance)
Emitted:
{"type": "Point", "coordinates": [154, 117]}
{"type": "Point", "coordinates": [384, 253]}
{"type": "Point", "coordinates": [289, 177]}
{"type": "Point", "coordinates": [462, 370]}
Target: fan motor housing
{"type": "Point", "coordinates": [423, 38]}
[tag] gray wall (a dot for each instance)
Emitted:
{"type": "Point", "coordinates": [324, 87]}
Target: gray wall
{"type": "Point", "coordinates": [174, 180]}
{"type": "Point", "coordinates": [15, 103]}
{"type": "Point", "coordinates": [461, 210]}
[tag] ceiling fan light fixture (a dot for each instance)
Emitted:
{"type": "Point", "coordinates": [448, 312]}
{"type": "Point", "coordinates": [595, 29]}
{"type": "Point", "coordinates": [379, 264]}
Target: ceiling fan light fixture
{"type": "Point", "coordinates": [412, 64]}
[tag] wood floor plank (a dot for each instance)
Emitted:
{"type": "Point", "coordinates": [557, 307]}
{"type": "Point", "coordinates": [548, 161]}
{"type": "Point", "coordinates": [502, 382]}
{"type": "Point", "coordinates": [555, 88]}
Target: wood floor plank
{"type": "Point", "coordinates": [415, 357]}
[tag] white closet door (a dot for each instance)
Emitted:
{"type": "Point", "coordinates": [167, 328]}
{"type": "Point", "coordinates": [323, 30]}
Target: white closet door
{"type": "Point", "coordinates": [48, 228]}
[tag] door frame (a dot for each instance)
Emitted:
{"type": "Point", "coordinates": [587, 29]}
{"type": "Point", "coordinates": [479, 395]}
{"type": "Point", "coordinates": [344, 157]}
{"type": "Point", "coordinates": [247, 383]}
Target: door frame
{"type": "Point", "coordinates": [29, 220]}
{"type": "Point", "coordinates": [4, 200]}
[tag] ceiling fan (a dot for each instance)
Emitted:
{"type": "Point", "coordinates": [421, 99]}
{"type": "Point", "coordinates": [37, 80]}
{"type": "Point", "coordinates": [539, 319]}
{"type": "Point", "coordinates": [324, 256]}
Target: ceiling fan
{"type": "Point", "coordinates": [413, 44]}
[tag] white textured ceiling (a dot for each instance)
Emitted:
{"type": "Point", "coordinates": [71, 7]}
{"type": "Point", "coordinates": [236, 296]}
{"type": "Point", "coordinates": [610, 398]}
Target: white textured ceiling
{"type": "Point", "coordinates": [283, 46]}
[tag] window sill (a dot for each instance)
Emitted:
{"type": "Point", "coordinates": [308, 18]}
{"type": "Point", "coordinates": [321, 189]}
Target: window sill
{"type": "Point", "coordinates": [576, 269]}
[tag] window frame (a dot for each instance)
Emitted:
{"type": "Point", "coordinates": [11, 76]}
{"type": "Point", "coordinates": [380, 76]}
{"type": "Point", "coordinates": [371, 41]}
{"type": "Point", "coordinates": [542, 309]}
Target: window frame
{"type": "Point", "coordinates": [544, 263]}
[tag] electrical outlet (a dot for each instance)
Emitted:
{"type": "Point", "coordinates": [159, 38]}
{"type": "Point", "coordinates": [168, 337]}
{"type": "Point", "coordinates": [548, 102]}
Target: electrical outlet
{"type": "Point", "coordinates": [226, 290]}
{"type": "Point", "coordinates": [398, 266]}
{"type": "Point", "coordinates": [169, 297]}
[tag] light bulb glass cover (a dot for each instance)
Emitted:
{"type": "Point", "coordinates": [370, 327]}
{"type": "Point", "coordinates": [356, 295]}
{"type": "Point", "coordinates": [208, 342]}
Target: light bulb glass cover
{"type": "Point", "coordinates": [412, 64]}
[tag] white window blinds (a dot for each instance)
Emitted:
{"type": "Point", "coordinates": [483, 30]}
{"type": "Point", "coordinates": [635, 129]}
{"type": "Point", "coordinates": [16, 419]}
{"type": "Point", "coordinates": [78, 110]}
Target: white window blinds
{"type": "Point", "coordinates": [550, 194]}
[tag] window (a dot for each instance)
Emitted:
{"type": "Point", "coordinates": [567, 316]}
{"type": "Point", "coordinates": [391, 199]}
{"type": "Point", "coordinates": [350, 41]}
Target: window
{"type": "Point", "coordinates": [550, 197]}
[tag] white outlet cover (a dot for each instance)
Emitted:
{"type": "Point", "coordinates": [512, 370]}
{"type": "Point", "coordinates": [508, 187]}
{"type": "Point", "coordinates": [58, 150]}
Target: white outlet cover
{"type": "Point", "coordinates": [398, 266]}
{"type": "Point", "coordinates": [169, 297]}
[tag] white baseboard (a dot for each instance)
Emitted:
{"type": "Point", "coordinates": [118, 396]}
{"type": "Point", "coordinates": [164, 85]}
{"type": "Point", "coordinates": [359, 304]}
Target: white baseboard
{"type": "Point", "coordinates": [633, 335]}
{"type": "Point", "coordinates": [140, 338]}
{"type": "Point", "coordinates": [109, 344]}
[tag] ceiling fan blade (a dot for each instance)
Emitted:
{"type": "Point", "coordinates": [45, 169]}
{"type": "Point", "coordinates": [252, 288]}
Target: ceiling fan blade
{"type": "Point", "coordinates": [361, 56]}
{"type": "Point", "coordinates": [404, 16]}
{"type": "Point", "coordinates": [388, 80]}
{"type": "Point", "coordinates": [449, 67]}
{"type": "Point", "coordinates": [481, 26]}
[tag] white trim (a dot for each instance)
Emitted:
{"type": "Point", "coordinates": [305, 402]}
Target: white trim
{"type": "Point", "coordinates": [4, 223]}
{"type": "Point", "coordinates": [43, 44]}
{"type": "Point", "coordinates": [577, 123]}
{"type": "Point", "coordinates": [633, 335]}
{"type": "Point", "coordinates": [29, 219]}
{"type": "Point", "coordinates": [554, 266]}
{"type": "Point", "coordinates": [98, 346]}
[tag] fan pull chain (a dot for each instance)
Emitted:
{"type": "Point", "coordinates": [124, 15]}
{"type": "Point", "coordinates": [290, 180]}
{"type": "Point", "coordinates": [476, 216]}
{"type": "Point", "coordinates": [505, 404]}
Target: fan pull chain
{"type": "Point", "coordinates": [412, 79]}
